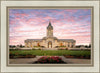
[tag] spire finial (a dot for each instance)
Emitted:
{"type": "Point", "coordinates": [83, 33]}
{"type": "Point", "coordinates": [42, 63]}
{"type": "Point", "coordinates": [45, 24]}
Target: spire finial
{"type": "Point", "coordinates": [49, 25]}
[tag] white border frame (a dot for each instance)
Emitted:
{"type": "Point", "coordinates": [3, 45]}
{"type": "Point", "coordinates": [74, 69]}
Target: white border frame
{"type": "Point", "coordinates": [4, 68]}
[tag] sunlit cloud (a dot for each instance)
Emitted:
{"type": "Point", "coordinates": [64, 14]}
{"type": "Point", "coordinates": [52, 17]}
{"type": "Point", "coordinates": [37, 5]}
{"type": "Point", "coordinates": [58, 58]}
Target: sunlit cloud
{"type": "Point", "coordinates": [67, 23]}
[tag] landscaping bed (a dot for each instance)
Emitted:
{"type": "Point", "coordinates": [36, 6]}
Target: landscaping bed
{"type": "Point", "coordinates": [17, 55]}
{"type": "Point", "coordinates": [78, 56]}
{"type": "Point", "coordinates": [50, 60]}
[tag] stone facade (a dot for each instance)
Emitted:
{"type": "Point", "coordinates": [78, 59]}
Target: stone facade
{"type": "Point", "coordinates": [50, 41]}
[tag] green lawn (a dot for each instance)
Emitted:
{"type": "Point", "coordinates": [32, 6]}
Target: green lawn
{"type": "Point", "coordinates": [51, 52]}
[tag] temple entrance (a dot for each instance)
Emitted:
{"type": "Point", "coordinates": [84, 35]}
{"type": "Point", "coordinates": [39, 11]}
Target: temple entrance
{"type": "Point", "coordinates": [49, 44]}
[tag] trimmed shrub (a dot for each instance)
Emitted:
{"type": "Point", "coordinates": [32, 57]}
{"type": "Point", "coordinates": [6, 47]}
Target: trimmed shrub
{"type": "Point", "coordinates": [50, 59]}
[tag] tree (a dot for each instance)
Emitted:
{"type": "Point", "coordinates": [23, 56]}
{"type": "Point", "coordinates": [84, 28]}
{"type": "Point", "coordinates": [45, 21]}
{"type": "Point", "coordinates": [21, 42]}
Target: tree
{"type": "Point", "coordinates": [86, 46]}
{"type": "Point", "coordinates": [20, 45]}
{"type": "Point", "coordinates": [89, 45]}
{"type": "Point", "coordinates": [12, 46]}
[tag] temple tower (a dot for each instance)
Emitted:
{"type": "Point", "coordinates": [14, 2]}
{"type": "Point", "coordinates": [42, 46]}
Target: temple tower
{"type": "Point", "coordinates": [49, 30]}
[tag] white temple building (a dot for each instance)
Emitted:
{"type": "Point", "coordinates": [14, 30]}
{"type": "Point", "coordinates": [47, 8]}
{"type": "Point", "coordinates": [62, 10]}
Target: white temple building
{"type": "Point", "coordinates": [50, 41]}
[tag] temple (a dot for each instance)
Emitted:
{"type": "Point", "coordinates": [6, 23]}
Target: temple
{"type": "Point", "coordinates": [50, 41]}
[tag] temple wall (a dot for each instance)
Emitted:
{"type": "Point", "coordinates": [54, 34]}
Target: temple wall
{"type": "Point", "coordinates": [54, 43]}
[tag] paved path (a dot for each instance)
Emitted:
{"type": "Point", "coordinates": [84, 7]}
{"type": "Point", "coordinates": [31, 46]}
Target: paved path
{"type": "Point", "coordinates": [76, 61]}
{"type": "Point", "coordinates": [31, 60]}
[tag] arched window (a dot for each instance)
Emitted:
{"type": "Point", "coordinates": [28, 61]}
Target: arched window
{"type": "Point", "coordinates": [68, 44]}
{"type": "Point", "coordinates": [72, 45]}
{"type": "Point", "coordinates": [61, 44]}
{"type": "Point", "coordinates": [38, 44]}
{"type": "Point", "coordinates": [27, 45]}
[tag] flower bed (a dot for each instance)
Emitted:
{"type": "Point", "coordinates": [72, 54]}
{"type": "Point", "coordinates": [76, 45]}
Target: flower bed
{"type": "Point", "coordinates": [17, 55]}
{"type": "Point", "coordinates": [50, 59]}
{"type": "Point", "coordinates": [78, 56]}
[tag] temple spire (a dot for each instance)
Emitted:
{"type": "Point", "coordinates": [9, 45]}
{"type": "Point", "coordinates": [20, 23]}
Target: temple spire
{"type": "Point", "coordinates": [49, 23]}
{"type": "Point", "coordinates": [50, 26]}
{"type": "Point", "coordinates": [49, 30]}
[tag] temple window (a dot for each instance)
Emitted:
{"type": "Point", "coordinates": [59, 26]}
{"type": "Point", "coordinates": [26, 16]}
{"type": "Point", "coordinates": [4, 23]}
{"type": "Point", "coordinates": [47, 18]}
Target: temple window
{"type": "Point", "coordinates": [72, 45]}
{"type": "Point", "coordinates": [61, 44]}
{"type": "Point", "coordinates": [38, 44]}
{"type": "Point", "coordinates": [68, 44]}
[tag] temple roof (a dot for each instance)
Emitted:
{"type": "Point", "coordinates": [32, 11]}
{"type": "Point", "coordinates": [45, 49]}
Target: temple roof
{"type": "Point", "coordinates": [66, 40]}
{"type": "Point", "coordinates": [44, 38]}
{"type": "Point", "coordinates": [29, 40]}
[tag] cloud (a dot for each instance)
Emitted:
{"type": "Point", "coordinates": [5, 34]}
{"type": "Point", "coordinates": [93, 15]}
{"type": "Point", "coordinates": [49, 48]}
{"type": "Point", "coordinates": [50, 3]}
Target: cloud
{"type": "Point", "coordinates": [32, 23]}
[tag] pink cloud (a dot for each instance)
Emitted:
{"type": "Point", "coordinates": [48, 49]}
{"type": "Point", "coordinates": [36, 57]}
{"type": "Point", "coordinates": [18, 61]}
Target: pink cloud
{"type": "Point", "coordinates": [19, 14]}
{"type": "Point", "coordinates": [33, 25]}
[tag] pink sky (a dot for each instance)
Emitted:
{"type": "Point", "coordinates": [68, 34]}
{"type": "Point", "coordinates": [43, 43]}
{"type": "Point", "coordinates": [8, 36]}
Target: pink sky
{"type": "Point", "coordinates": [32, 23]}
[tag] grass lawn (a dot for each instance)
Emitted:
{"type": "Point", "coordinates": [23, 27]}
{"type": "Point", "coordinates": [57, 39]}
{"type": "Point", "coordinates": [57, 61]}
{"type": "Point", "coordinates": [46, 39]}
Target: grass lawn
{"type": "Point", "coordinates": [51, 52]}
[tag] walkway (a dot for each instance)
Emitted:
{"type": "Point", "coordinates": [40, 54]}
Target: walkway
{"type": "Point", "coordinates": [67, 60]}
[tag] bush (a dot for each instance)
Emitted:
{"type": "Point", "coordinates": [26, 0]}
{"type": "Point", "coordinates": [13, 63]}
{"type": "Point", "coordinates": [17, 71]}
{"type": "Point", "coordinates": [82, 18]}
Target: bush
{"type": "Point", "coordinates": [39, 49]}
{"type": "Point", "coordinates": [52, 59]}
{"type": "Point", "coordinates": [66, 48]}
{"type": "Point", "coordinates": [33, 49]}
{"type": "Point", "coordinates": [78, 56]}
{"type": "Point", "coordinates": [62, 48]}
{"type": "Point", "coordinates": [21, 55]}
